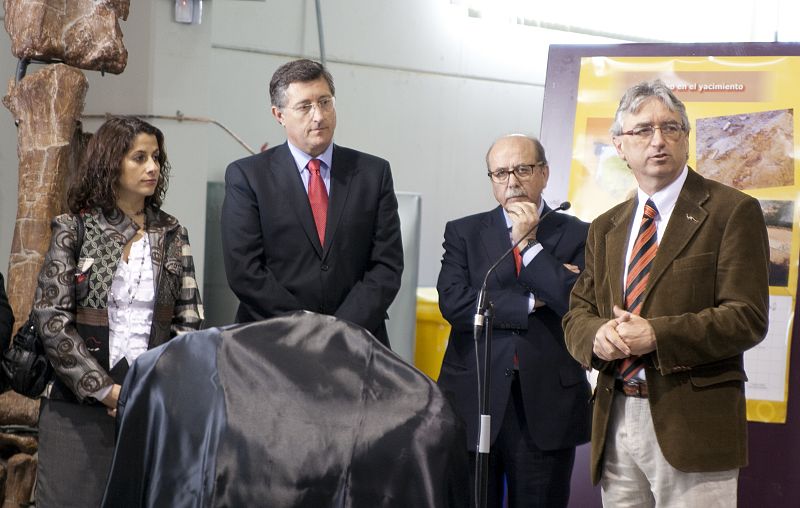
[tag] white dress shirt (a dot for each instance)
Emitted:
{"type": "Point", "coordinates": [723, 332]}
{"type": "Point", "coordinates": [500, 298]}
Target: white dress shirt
{"type": "Point", "coordinates": [664, 200]}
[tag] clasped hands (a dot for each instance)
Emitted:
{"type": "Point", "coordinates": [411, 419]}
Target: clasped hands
{"type": "Point", "coordinates": [625, 335]}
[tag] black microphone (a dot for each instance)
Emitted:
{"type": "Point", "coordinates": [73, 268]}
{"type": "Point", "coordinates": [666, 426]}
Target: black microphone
{"type": "Point", "coordinates": [482, 295]}
{"type": "Point", "coordinates": [482, 316]}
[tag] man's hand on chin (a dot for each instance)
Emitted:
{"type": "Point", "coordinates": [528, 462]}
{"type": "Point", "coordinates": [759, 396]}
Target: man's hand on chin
{"type": "Point", "coordinates": [524, 216]}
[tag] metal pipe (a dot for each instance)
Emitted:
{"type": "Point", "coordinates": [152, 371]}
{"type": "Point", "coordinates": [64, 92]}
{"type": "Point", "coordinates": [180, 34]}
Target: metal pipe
{"type": "Point", "coordinates": [323, 60]}
{"type": "Point", "coordinates": [371, 65]}
{"type": "Point", "coordinates": [180, 117]}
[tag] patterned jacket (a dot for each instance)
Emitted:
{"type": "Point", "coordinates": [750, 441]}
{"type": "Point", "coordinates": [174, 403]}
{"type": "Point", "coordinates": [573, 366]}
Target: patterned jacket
{"type": "Point", "coordinates": [71, 301]}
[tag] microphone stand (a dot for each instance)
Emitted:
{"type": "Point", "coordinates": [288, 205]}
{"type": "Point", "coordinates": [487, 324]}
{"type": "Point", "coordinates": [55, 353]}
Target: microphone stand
{"type": "Point", "coordinates": [482, 326]}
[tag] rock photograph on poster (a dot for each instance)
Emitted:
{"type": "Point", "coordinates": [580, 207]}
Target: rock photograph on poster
{"type": "Point", "coordinates": [778, 216]}
{"type": "Point", "coordinates": [749, 150]}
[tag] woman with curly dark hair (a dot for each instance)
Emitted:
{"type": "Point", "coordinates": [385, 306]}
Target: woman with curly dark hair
{"type": "Point", "coordinates": [117, 280]}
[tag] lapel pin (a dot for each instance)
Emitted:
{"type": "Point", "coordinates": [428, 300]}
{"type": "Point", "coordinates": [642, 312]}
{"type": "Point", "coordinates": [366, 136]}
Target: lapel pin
{"type": "Point", "coordinates": [691, 218]}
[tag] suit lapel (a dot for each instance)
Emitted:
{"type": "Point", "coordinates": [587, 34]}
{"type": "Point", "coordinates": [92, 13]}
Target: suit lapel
{"type": "Point", "coordinates": [616, 245]}
{"type": "Point", "coordinates": [686, 219]}
{"type": "Point", "coordinates": [496, 241]}
{"type": "Point", "coordinates": [285, 174]}
{"type": "Point", "coordinates": [342, 170]}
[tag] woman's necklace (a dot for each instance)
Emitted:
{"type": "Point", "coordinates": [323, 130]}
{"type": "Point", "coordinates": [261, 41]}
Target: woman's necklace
{"type": "Point", "coordinates": [132, 288]}
{"type": "Point", "coordinates": [137, 217]}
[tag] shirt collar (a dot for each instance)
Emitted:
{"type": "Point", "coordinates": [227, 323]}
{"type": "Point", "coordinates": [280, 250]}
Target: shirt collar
{"type": "Point", "coordinates": [665, 198]}
{"type": "Point", "coordinates": [301, 158]}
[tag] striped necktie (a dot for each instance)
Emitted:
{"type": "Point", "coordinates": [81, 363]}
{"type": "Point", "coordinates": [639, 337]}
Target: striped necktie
{"type": "Point", "coordinates": [642, 255]}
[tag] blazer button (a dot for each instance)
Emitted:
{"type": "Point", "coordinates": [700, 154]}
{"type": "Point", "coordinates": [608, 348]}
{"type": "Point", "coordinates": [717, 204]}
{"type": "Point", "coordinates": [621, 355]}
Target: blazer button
{"type": "Point", "coordinates": [324, 268]}
{"type": "Point", "coordinates": [509, 372]}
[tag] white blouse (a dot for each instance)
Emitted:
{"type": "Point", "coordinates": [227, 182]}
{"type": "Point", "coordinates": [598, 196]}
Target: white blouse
{"type": "Point", "coordinates": [130, 304]}
{"type": "Point", "coordinates": [130, 307]}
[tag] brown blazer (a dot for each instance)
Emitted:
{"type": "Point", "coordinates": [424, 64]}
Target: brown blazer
{"type": "Point", "coordinates": [707, 301]}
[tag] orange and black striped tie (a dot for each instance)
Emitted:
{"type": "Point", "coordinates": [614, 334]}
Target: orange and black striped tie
{"type": "Point", "coordinates": [642, 255]}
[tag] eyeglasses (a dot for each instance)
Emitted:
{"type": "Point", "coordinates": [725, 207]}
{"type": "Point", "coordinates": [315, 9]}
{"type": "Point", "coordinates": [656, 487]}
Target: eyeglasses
{"type": "Point", "coordinates": [522, 172]}
{"type": "Point", "coordinates": [670, 131]}
{"type": "Point", "coordinates": [324, 105]}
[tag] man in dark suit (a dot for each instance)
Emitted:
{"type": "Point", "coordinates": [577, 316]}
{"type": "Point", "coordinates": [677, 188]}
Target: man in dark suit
{"type": "Point", "coordinates": [310, 225]}
{"type": "Point", "coordinates": [539, 395]}
{"type": "Point", "coordinates": [687, 258]}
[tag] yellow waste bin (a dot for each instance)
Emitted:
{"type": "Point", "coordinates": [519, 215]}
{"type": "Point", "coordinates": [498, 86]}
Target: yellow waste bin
{"type": "Point", "coordinates": [432, 333]}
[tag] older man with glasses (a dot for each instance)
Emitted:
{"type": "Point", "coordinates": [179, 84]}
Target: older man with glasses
{"type": "Point", "coordinates": [674, 291]}
{"type": "Point", "coordinates": [539, 395]}
{"type": "Point", "coordinates": [308, 224]}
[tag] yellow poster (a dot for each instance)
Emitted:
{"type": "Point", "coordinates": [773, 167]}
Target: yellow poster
{"type": "Point", "coordinates": [742, 115]}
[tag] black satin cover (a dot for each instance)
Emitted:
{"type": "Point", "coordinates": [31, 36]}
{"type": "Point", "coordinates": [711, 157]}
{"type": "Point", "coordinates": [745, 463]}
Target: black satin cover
{"type": "Point", "coordinates": [298, 411]}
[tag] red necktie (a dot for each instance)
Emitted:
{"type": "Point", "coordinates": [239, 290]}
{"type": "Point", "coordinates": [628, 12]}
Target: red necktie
{"type": "Point", "coordinates": [644, 250]}
{"type": "Point", "coordinates": [518, 265]}
{"type": "Point", "coordinates": [517, 259]}
{"type": "Point", "coordinates": [318, 197]}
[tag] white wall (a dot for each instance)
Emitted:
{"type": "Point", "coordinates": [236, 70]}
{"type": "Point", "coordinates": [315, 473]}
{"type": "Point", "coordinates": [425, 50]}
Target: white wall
{"type": "Point", "coordinates": [417, 82]}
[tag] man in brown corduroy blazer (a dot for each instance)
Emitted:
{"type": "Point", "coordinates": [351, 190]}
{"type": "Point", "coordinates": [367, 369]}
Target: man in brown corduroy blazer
{"type": "Point", "coordinates": [675, 430]}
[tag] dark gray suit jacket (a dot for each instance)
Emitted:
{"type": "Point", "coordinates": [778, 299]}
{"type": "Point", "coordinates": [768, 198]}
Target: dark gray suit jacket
{"type": "Point", "coordinates": [273, 258]}
{"type": "Point", "coordinates": [554, 386]}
